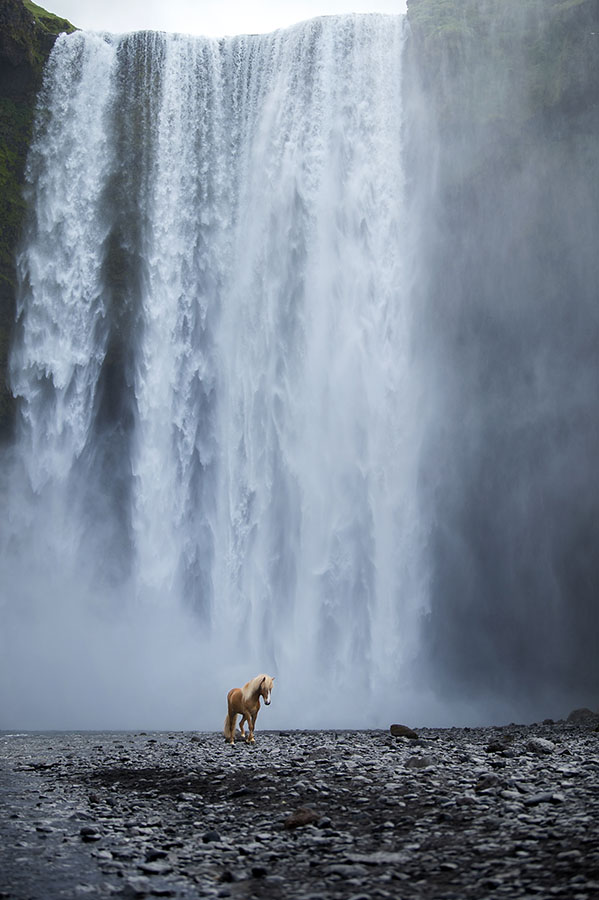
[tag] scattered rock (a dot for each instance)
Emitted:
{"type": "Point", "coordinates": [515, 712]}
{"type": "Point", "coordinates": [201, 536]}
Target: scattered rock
{"type": "Point", "coordinates": [259, 871]}
{"type": "Point", "coordinates": [152, 854]}
{"type": "Point", "coordinates": [543, 797]}
{"type": "Point", "coordinates": [419, 762]}
{"type": "Point", "coordinates": [89, 833]}
{"type": "Point", "coordinates": [155, 868]}
{"type": "Point", "coordinates": [226, 876]}
{"type": "Point", "coordinates": [540, 745]}
{"type": "Point", "coordinates": [346, 870]}
{"type": "Point", "coordinates": [403, 731]}
{"type": "Point", "coordinates": [210, 836]}
{"type": "Point", "coordinates": [450, 818]}
{"type": "Point", "coordinates": [240, 792]}
{"type": "Point", "coordinates": [487, 781]}
{"type": "Point", "coordinates": [569, 854]}
{"type": "Point", "coordinates": [136, 886]}
{"type": "Point", "coordinates": [301, 817]}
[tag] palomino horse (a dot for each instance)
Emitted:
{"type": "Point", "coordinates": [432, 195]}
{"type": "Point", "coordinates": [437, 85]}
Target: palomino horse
{"type": "Point", "coordinates": [245, 702]}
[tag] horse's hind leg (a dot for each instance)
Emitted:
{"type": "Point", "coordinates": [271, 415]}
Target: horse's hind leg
{"type": "Point", "coordinates": [244, 719]}
{"type": "Point", "coordinates": [231, 722]}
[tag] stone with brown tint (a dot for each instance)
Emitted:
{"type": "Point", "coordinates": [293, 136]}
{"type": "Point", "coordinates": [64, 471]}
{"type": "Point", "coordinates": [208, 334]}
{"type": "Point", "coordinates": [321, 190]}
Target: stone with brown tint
{"type": "Point", "coordinates": [301, 817]}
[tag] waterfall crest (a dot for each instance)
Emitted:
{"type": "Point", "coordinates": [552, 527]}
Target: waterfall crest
{"type": "Point", "coordinates": [218, 428]}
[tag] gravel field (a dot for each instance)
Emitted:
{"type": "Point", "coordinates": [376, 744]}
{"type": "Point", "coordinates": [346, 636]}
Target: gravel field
{"type": "Point", "coordinates": [484, 812]}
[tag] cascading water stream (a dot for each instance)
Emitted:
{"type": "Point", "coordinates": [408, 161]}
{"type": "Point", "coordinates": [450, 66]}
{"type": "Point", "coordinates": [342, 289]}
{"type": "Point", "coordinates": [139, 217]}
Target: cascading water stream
{"type": "Point", "coordinates": [218, 405]}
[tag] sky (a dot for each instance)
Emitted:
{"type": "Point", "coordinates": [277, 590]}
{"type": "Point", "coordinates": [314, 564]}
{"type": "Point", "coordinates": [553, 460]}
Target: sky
{"type": "Point", "coordinates": [212, 18]}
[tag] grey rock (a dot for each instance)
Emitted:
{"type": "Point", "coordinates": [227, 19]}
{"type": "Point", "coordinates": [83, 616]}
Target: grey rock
{"type": "Point", "coordinates": [346, 870]}
{"type": "Point", "coordinates": [489, 780]}
{"type": "Point", "coordinates": [152, 854]}
{"type": "Point", "coordinates": [535, 799]}
{"type": "Point", "coordinates": [540, 745]}
{"type": "Point", "coordinates": [210, 836]}
{"type": "Point", "coordinates": [569, 854]}
{"type": "Point", "coordinates": [155, 868]}
{"type": "Point", "coordinates": [136, 886]}
{"type": "Point", "coordinates": [419, 762]}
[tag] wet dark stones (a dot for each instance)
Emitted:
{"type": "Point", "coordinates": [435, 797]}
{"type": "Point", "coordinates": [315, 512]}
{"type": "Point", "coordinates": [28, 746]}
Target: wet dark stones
{"type": "Point", "coordinates": [308, 814]}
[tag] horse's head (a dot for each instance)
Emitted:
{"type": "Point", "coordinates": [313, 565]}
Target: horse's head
{"type": "Point", "coordinates": [266, 686]}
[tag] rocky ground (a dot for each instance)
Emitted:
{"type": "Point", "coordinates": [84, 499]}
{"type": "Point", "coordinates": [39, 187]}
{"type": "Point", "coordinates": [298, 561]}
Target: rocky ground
{"type": "Point", "coordinates": [456, 813]}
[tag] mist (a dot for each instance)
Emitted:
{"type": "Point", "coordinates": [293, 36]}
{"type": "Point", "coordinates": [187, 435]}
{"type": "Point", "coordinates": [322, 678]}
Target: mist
{"type": "Point", "coordinates": [504, 188]}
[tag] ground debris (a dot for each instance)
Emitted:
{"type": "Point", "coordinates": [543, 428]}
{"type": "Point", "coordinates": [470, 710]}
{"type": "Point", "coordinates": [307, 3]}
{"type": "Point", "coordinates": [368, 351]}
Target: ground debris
{"type": "Point", "coordinates": [301, 814]}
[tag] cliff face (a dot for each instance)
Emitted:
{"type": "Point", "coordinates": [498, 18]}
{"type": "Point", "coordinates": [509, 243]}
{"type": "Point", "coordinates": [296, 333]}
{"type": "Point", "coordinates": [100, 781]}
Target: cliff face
{"type": "Point", "coordinates": [27, 34]}
{"type": "Point", "coordinates": [502, 143]}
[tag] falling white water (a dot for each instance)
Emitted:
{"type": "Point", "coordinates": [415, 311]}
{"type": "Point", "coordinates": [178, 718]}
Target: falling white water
{"type": "Point", "coordinates": [218, 449]}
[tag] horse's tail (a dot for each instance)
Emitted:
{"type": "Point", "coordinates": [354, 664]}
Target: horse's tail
{"type": "Point", "coordinates": [229, 729]}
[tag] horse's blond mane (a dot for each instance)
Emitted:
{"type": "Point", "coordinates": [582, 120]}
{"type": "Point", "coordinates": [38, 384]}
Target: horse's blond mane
{"type": "Point", "coordinates": [249, 689]}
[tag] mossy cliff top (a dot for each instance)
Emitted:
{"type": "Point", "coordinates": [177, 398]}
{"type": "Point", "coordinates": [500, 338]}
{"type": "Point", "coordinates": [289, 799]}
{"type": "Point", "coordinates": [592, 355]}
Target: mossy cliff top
{"type": "Point", "coordinates": [476, 57]}
{"type": "Point", "coordinates": [27, 34]}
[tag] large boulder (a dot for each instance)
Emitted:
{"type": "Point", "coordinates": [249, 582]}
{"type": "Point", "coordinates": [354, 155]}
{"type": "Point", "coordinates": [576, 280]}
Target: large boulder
{"type": "Point", "coordinates": [582, 715]}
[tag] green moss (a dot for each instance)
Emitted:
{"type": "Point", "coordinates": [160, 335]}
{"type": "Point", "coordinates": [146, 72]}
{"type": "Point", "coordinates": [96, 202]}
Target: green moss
{"type": "Point", "coordinates": [48, 21]}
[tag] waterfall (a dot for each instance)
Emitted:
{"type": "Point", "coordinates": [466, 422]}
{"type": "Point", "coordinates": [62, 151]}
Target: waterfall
{"type": "Point", "coordinates": [216, 470]}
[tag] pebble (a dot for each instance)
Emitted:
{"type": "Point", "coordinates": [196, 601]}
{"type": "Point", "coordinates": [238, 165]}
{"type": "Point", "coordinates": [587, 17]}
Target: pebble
{"type": "Point", "coordinates": [300, 818]}
{"type": "Point", "coordinates": [419, 762]}
{"type": "Point", "coordinates": [540, 745]}
{"type": "Point", "coordinates": [332, 815]}
{"type": "Point", "coordinates": [209, 836]}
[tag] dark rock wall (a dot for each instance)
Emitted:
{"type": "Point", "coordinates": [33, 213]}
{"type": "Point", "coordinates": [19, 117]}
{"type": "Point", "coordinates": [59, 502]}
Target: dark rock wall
{"type": "Point", "coordinates": [502, 141]}
{"type": "Point", "coordinates": [27, 34]}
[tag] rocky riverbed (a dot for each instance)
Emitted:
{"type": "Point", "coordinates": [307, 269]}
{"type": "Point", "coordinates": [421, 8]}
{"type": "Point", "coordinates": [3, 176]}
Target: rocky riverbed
{"type": "Point", "coordinates": [454, 813]}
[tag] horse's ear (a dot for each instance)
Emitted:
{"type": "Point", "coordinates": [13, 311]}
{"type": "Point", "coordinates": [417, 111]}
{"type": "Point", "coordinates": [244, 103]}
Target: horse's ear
{"type": "Point", "coordinates": [263, 680]}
